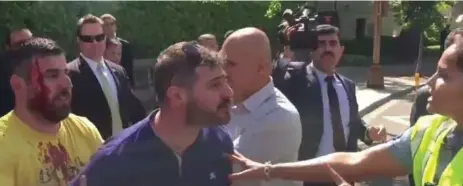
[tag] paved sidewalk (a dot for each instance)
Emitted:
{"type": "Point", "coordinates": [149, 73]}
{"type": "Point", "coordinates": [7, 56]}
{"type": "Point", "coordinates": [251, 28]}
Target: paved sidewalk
{"type": "Point", "coordinates": [370, 99]}
{"type": "Point", "coordinates": [398, 81]}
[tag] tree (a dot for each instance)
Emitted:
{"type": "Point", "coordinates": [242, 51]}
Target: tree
{"type": "Point", "coordinates": [427, 16]}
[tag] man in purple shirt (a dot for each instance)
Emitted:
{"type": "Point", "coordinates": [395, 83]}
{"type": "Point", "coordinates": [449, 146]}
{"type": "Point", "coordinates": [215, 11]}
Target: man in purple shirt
{"type": "Point", "coordinates": [182, 142]}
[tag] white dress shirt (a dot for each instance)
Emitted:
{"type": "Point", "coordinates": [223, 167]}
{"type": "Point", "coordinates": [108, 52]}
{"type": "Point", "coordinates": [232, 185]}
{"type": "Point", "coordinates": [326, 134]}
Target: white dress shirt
{"type": "Point", "coordinates": [106, 72]}
{"type": "Point", "coordinates": [326, 143]}
{"type": "Point", "coordinates": [266, 127]}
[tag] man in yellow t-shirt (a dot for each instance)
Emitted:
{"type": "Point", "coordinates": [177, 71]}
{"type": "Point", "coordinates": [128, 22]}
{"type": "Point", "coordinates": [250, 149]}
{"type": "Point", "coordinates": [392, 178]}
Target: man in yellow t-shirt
{"type": "Point", "coordinates": [41, 143]}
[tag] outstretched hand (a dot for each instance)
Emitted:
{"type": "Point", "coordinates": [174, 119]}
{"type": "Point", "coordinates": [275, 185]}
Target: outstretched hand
{"type": "Point", "coordinates": [377, 133]}
{"type": "Point", "coordinates": [336, 177]}
{"type": "Point", "coordinates": [251, 170]}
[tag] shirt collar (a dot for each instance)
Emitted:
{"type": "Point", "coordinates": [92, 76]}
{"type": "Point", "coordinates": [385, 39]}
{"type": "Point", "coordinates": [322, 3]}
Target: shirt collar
{"type": "Point", "coordinates": [255, 100]}
{"type": "Point", "coordinates": [321, 75]}
{"type": "Point", "coordinates": [93, 64]}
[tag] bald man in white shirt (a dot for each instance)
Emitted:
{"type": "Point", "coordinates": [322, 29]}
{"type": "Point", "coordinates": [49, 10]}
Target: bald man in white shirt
{"type": "Point", "coordinates": [265, 125]}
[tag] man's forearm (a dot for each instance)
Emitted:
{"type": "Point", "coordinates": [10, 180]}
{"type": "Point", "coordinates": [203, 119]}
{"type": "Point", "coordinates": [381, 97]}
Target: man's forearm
{"type": "Point", "coordinates": [371, 163]}
{"type": "Point", "coordinates": [315, 170]}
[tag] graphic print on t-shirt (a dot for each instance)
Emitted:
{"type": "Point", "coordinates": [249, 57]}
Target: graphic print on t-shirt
{"type": "Point", "coordinates": [58, 167]}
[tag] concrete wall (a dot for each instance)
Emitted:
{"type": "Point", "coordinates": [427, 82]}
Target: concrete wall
{"type": "Point", "coordinates": [457, 10]}
{"type": "Point", "coordinates": [349, 11]}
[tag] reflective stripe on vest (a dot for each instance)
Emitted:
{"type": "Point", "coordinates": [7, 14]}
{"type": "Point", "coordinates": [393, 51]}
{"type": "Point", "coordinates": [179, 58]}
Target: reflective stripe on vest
{"type": "Point", "coordinates": [424, 127]}
{"type": "Point", "coordinates": [430, 134]}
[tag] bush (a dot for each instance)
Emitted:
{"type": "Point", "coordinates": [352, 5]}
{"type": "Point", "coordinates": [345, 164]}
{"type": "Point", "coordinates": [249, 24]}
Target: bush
{"type": "Point", "coordinates": [149, 26]}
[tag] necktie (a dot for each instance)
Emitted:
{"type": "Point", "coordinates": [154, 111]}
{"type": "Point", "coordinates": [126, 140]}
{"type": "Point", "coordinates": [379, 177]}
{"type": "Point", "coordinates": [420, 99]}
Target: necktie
{"type": "Point", "coordinates": [339, 141]}
{"type": "Point", "coordinates": [112, 100]}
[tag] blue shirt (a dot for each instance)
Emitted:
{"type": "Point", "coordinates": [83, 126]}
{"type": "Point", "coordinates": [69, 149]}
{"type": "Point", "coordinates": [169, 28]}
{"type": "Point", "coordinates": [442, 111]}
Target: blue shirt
{"type": "Point", "coordinates": [138, 157]}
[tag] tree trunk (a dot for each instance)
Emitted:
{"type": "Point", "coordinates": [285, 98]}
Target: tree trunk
{"type": "Point", "coordinates": [419, 60]}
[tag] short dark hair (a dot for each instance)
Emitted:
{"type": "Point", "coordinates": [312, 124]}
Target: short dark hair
{"type": "Point", "coordinates": [112, 42]}
{"type": "Point", "coordinates": [177, 65]}
{"type": "Point", "coordinates": [8, 35]}
{"type": "Point", "coordinates": [327, 29]}
{"type": "Point", "coordinates": [87, 19]}
{"type": "Point", "coordinates": [451, 37]}
{"type": "Point", "coordinates": [22, 57]}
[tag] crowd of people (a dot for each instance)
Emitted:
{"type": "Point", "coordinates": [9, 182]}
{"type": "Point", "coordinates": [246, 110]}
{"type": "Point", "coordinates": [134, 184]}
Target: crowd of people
{"type": "Point", "coordinates": [220, 118]}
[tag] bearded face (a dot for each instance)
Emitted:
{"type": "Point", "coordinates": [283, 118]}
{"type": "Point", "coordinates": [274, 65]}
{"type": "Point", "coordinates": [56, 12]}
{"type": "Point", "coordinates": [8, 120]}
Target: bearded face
{"type": "Point", "coordinates": [53, 108]}
{"type": "Point", "coordinates": [49, 89]}
{"type": "Point", "coordinates": [200, 115]}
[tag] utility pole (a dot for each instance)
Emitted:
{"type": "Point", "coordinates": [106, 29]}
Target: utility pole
{"type": "Point", "coordinates": [375, 74]}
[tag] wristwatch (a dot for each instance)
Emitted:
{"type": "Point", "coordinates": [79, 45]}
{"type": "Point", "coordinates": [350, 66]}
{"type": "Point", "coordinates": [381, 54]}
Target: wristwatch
{"type": "Point", "coordinates": [267, 169]}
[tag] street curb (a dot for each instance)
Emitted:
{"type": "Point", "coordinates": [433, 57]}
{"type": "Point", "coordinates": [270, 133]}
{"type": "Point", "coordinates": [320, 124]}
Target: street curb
{"type": "Point", "coordinates": [368, 109]}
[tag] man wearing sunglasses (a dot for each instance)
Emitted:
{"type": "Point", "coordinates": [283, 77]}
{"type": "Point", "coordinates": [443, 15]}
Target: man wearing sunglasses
{"type": "Point", "coordinates": [182, 142]}
{"type": "Point", "coordinates": [101, 89]}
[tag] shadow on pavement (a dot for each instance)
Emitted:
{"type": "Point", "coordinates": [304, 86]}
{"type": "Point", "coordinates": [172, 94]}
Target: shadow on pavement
{"type": "Point", "coordinates": [390, 85]}
{"type": "Point", "coordinates": [408, 97]}
{"type": "Point", "coordinates": [399, 181]}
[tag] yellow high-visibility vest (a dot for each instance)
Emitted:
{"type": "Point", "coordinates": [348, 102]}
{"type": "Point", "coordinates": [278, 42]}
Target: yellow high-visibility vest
{"type": "Point", "coordinates": [427, 137]}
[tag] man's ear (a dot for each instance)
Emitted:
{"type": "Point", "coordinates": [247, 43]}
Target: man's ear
{"type": "Point", "coordinates": [176, 95]}
{"type": "Point", "coordinates": [17, 83]}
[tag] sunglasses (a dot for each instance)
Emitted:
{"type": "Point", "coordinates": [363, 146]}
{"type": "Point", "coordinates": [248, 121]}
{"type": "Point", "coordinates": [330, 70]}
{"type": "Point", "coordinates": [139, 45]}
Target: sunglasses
{"type": "Point", "coordinates": [192, 54]}
{"type": "Point", "coordinates": [90, 39]}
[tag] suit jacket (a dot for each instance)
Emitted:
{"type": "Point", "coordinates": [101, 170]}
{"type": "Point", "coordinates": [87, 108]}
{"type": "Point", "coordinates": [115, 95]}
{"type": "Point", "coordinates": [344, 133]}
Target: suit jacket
{"type": "Point", "coordinates": [303, 90]}
{"type": "Point", "coordinates": [6, 93]}
{"type": "Point", "coordinates": [89, 100]}
{"type": "Point", "coordinates": [419, 105]}
{"type": "Point", "coordinates": [127, 59]}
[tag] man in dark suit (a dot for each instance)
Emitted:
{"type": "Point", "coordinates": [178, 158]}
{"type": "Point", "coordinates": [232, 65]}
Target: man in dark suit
{"type": "Point", "coordinates": [326, 102]}
{"type": "Point", "coordinates": [443, 35]}
{"type": "Point", "coordinates": [110, 29]}
{"type": "Point", "coordinates": [12, 39]}
{"type": "Point", "coordinates": [101, 90]}
{"type": "Point", "coordinates": [419, 105]}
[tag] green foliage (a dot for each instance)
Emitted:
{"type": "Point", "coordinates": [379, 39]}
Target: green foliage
{"type": "Point", "coordinates": [273, 9]}
{"type": "Point", "coordinates": [149, 26]}
{"type": "Point", "coordinates": [427, 15]}
{"type": "Point", "coordinates": [276, 7]}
